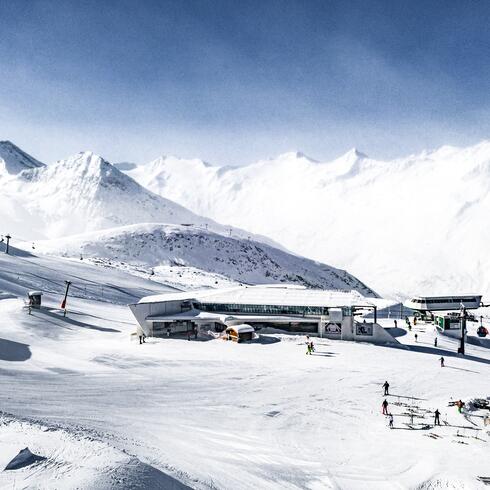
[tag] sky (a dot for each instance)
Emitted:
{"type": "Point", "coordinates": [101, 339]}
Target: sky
{"type": "Point", "coordinates": [232, 82]}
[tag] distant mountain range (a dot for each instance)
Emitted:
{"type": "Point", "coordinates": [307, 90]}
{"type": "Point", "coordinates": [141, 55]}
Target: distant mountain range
{"type": "Point", "coordinates": [412, 225]}
{"type": "Point", "coordinates": [86, 205]}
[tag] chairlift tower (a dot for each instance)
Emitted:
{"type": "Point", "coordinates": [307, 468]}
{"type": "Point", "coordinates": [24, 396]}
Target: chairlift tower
{"type": "Point", "coordinates": [462, 322]}
{"type": "Point", "coordinates": [8, 237]}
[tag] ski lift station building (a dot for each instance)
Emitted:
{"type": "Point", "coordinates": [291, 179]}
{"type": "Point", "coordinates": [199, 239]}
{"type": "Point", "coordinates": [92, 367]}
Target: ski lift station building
{"type": "Point", "coordinates": [291, 308]}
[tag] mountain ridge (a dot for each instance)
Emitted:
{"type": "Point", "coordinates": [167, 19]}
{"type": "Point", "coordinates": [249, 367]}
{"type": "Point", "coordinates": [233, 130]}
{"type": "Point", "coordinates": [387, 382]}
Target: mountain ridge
{"type": "Point", "coordinates": [403, 223]}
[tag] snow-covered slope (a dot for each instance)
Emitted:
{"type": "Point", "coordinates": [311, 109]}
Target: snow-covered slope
{"type": "Point", "coordinates": [13, 160]}
{"type": "Point", "coordinates": [241, 260]}
{"type": "Point", "coordinates": [411, 225]}
{"type": "Point", "coordinates": [106, 413]}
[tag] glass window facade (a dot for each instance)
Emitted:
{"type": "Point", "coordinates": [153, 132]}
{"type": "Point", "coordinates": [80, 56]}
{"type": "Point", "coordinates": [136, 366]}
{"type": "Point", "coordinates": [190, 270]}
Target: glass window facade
{"type": "Point", "coordinates": [248, 309]}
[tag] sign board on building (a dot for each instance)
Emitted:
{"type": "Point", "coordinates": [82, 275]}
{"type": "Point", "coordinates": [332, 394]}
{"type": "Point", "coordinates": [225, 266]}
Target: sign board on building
{"type": "Point", "coordinates": [364, 329]}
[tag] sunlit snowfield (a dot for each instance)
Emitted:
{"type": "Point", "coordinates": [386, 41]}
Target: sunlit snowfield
{"type": "Point", "coordinates": [106, 411]}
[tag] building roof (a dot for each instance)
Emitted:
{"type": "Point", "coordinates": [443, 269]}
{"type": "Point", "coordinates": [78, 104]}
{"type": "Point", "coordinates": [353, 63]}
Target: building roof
{"type": "Point", "coordinates": [276, 294]}
{"type": "Point", "coordinates": [242, 328]}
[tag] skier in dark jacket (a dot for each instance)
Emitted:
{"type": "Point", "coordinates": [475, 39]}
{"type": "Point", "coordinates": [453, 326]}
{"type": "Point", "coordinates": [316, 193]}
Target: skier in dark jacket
{"type": "Point", "coordinates": [435, 342]}
{"type": "Point", "coordinates": [436, 417]}
{"type": "Point", "coordinates": [385, 407]}
{"type": "Point", "coordinates": [386, 386]}
{"type": "Point", "coordinates": [442, 361]}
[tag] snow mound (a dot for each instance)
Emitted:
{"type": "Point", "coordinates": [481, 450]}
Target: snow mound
{"type": "Point", "coordinates": [73, 459]}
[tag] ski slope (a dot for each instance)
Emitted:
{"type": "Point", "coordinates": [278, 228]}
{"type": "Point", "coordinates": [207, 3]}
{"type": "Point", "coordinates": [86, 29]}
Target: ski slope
{"type": "Point", "coordinates": [106, 412]}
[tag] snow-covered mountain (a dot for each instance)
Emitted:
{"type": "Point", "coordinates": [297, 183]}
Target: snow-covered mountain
{"type": "Point", "coordinates": [246, 261]}
{"type": "Point", "coordinates": [84, 193]}
{"type": "Point", "coordinates": [13, 160]}
{"type": "Point", "coordinates": [412, 225]}
{"type": "Point", "coordinates": [64, 201]}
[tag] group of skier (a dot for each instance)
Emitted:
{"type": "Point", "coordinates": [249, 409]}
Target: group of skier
{"type": "Point", "coordinates": [386, 412]}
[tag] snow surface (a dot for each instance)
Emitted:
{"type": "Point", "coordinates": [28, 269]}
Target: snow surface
{"type": "Point", "coordinates": [243, 261]}
{"type": "Point", "coordinates": [109, 413]}
{"type": "Point", "coordinates": [415, 225]}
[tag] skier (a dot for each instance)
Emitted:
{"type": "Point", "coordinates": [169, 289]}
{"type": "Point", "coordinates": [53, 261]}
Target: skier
{"type": "Point", "coordinates": [396, 323]}
{"type": "Point", "coordinates": [416, 337]}
{"type": "Point", "coordinates": [312, 347]}
{"type": "Point", "coordinates": [390, 421]}
{"type": "Point", "coordinates": [442, 361]}
{"type": "Point", "coordinates": [415, 320]}
{"type": "Point", "coordinates": [385, 407]}
{"type": "Point", "coordinates": [141, 335]}
{"type": "Point", "coordinates": [435, 342]}
{"type": "Point", "coordinates": [386, 386]}
{"type": "Point", "coordinates": [460, 405]}
{"type": "Point", "coordinates": [309, 345]}
{"type": "Point", "coordinates": [436, 417]}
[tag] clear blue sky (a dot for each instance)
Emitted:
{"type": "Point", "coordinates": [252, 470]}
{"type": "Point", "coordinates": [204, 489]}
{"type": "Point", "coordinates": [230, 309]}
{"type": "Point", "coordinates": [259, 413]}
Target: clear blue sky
{"type": "Point", "coordinates": [234, 81]}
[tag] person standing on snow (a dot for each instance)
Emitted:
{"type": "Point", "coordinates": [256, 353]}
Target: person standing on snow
{"type": "Point", "coordinates": [435, 342]}
{"type": "Point", "coordinates": [309, 345]}
{"type": "Point", "coordinates": [460, 405]}
{"type": "Point", "coordinates": [416, 337]}
{"type": "Point", "coordinates": [390, 421]}
{"type": "Point", "coordinates": [396, 323]}
{"type": "Point", "coordinates": [442, 361]}
{"type": "Point", "coordinates": [385, 407]}
{"type": "Point", "coordinates": [386, 386]}
{"type": "Point", "coordinates": [436, 417]}
{"type": "Point", "coordinates": [141, 335]}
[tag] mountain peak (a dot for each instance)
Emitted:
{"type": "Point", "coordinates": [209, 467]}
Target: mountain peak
{"type": "Point", "coordinates": [295, 155]}
{"type": "Point", "coordinates": [13, 160]}
{"type": "Point", "coordinates": [355, 153]}
{"type": "Point", "coordinates": [84, 160]}
{"type": "Point", "coordinates": [172, 159]}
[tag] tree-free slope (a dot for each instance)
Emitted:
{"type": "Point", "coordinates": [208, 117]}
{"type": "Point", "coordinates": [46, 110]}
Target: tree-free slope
{"type": "Point", "coordinates": [240, 260]}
